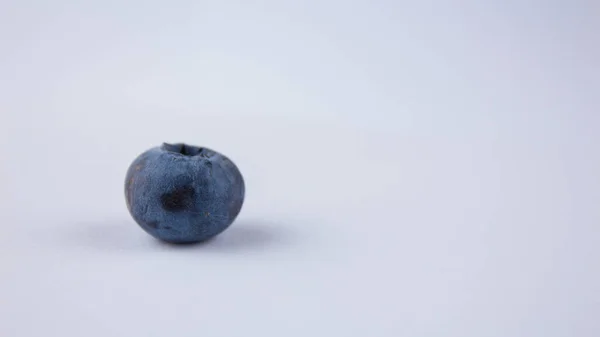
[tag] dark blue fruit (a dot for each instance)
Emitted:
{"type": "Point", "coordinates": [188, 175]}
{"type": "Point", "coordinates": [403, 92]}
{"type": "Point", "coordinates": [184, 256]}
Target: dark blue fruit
{"type": "Point", "coordinates": [181, 193]}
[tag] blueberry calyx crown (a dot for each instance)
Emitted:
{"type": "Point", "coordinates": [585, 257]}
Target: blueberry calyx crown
{"type": "Point", "coordinates": [184, 149]}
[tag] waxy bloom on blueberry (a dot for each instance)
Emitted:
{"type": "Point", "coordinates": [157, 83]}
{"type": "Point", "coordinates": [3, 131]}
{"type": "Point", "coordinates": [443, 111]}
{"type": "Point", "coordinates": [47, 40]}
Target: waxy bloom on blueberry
{"type": "Point", "coordinates": [181, 193]}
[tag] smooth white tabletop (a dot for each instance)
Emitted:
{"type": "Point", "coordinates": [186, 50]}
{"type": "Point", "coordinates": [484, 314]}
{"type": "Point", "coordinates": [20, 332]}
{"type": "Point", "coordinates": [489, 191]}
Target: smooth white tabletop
{"type": "Point", "coordinates": [412, 169]}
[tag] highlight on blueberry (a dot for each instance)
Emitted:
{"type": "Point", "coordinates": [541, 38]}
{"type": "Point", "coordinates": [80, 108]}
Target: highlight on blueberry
{"type": "Point", "coordinates": [181, 193]}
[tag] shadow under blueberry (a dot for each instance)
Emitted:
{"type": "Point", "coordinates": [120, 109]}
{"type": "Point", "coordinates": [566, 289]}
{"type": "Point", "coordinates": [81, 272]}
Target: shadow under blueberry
{"type": "Point", "coordinates": [243, 236]}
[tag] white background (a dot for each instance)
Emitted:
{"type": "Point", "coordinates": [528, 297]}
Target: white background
{"type": "Point", "coordinates": [413, 168]}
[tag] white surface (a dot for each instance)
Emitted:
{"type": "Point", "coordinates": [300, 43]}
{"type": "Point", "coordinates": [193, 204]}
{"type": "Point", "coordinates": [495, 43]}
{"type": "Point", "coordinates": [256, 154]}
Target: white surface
{"type": "Point", "coordinates": [425, 169]}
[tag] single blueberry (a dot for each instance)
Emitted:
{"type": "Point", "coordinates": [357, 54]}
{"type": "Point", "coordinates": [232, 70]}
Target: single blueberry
{"type": "Point", "coordinates": [181, 193]}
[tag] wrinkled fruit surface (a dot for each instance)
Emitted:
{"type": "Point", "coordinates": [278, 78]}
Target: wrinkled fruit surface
{"type": "Point", "coordinates": [181, 193]}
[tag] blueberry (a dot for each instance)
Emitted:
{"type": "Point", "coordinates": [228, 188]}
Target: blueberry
{"type": "Point", "coordinates": [181, 193]}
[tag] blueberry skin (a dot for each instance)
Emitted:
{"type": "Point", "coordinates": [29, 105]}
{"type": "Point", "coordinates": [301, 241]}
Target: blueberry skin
{"type": "Point", "coordinates": [181, 193]}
